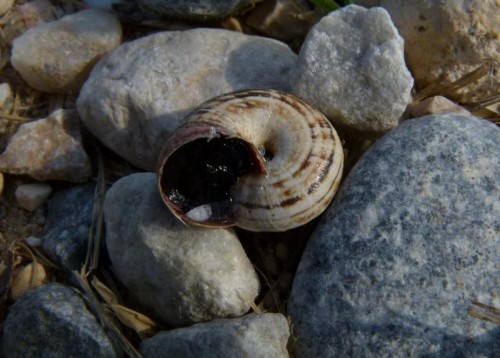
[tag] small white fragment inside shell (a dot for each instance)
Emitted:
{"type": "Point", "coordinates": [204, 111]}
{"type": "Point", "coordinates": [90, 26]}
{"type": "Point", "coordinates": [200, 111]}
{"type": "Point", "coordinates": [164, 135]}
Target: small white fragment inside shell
{"type": "Point", "coordinates": [200, 213]}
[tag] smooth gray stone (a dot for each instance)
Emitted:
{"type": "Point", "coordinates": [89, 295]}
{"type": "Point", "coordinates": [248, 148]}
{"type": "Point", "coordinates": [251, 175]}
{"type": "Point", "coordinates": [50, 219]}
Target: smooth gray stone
{"type": "Point", "coordinates": [66, 232]}
{"type": "Point", "coordinates": [194, 9]}
{"type": "Point", "coordinates": [53, 321]}
{"type": "Point", "coordinates": [411, 237]}
{"type": "Point", "coordinates": [254, 335]}
{"type": "Point", "coordinates": [136, 97]}
{"type": "Point", "coordinates": [180, 275]}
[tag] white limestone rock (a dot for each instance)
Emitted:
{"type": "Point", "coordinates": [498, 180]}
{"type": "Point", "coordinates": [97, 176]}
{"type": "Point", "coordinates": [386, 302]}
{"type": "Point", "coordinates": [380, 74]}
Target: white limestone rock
{"type": "Point", "coordinates": [31, 196]}
{"type": "Point", "coordinates": [57, 56]}
{"type": "Point", "coordinates": [180, 275]}
{"type": "Point", "coordinates": [351, 67]}
{"type": "Point", "coordinates": [48, 149]}
{"type": "Point", "coordinates": [137, 95]}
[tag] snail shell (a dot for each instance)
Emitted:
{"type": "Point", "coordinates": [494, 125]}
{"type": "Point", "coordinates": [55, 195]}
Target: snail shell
{"type": "Point", "coordinates": [258, 159]}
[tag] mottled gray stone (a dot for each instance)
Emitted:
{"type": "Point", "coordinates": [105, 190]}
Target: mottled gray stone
{"type": "Point", "coordinates": [137, 95]}
{"type": "Point", "coordinates": [180, 274]}
{"type": "Point", "coordinates": [48, 149]}
{"type": "Point", "coordinates": [351, 67]}
{"type": "Point", "coordinates": [52, 321]}
{"type": "Point", "coordinates": [195, 9]}
{"type": "Point", "coordinates": [254, 335]}
{"type": "Point", "coordinates": [66, 232]}
{"type": "Point", "coordinates": [412, 235]}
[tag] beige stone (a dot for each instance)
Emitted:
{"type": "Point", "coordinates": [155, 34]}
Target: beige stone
{"type": "Point", "coordinates": [31, 196]}
{"type": "Point", "coordinates": [5, 6]}
{"type": "Point", "coordinates": [48, 149]}
{"type": "Point", "coordinates": [30, 276]}
{"type": "Point", "coordinates": [434, 105]}
{"type": "Point", "coordinates": [57, 56]}
{"type": "Point", "coordinates": [448, 39]}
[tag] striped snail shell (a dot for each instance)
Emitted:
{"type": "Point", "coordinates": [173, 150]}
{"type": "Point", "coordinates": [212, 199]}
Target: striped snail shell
{"type": "Point", "coordinates": [258, 159]}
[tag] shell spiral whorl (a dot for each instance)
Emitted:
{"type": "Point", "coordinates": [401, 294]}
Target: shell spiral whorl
{"type": "Point", "coordinates": [259, 159]}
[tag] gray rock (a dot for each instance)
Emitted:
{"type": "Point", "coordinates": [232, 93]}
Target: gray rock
{"type": "Point", "coordinates": [182, 275]}
{"type": "Point", "coordinates": [137, 95]}
{"type": "Point", "coordinates": [195, 9]}
{"type": "Point", "coordinates": [48, 149]}
{"type": "Point", "coordinates": [254, 335]}
{"type": "Point", "coordinates": [57, 56]}
{"type": "Point", "coordinates": [445, 40]}
{"type": "Point", "coordinates": [410, 238]}
{"type": "Point", "coordinates": [66, 232]}
{"type": "Point", "coordinates": [351, 67]}
{"type": "Point", "coordinates": [52, 321]}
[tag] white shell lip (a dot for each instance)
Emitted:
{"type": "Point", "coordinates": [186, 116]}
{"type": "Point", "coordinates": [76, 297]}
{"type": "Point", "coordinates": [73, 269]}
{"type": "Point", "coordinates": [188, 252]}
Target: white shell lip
{"type": "Point", "coordinates": [292, 162]}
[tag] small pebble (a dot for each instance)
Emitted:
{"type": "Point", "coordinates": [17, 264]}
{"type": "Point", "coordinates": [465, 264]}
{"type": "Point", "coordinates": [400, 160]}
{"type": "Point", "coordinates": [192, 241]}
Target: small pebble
{"type": "Point", "coordinates": [66, 231]}
{"type": "Point", "coordinates": [434, 105]}
{"type": "Point", "coordinates": [54, 321]}
{"type": "Point", "coordinates": [57, 56]}
{"type": "Point", "coordinates": [194, 9]}
{"type": "Point", "coordinates": [32, 196]}
{"type": "Point", "coordinates": [352, 68]}
{"type": "Point", "coordinates": [253, 335]}
{"type": "Point", "coordinates": [48, 149]}
{"type": "Point", "coordinates": [180, 275]}
{"type": "Point", "coordinates": [6, 98]}
{"type": "Point", "coordinates": [33, 241]}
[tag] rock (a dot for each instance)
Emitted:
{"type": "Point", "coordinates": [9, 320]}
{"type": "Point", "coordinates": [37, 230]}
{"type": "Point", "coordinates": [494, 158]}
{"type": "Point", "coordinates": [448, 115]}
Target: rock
{"type": "Point", "coordinates": [48, 149]}
{"type": "Point", "coordinates": [281, 19]}
{"type": "Point", "coordinates": [66, 232]}
{"type": "Point", "coordinates": [182, 275]}
{"type": "Point", "coordinates": [28, 277]}
{"type": "Point", "coordinates": [445, 40]}
{"type": "Point", "coordinates": [5, 6]}
{"type": "Point", "coordinates": [31, 196]}
{"type": "Point", "coordinates": [351, 67]}
{"type": "Point", "coordinates": [56, 57]}
{"type": "Point", "coordinates": [194, 9]}
{"type": "Point", "coordinates": [253, 335]}
{"type": "Point", "coordinates": [52, 321]}
{"type": "Point", "coordinates": [410, 239]}
{"type": "Point", "coordinates": [434, 105]}
{"type": "Point", "coordinates": [1, 184]}
{"type": "Point", "coordinates": [6, 98]}
{"type": "Point", "coordinates": [137, 95]}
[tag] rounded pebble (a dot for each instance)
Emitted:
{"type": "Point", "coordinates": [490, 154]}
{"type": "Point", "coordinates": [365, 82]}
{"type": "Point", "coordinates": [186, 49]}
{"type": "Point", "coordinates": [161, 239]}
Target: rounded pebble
{"type": "Point", "coordinates": [57, 56]}
{"type": "Point", "coordinates": [53, 321]}
{"type": "Point", "coordinates": [180, 275]}
{"type": "Point", "coordinates": [135, 97]}
{"type": "Point", "coordinates": [32, 196]}
{"type": "Point", "coordinates": [254, 335]}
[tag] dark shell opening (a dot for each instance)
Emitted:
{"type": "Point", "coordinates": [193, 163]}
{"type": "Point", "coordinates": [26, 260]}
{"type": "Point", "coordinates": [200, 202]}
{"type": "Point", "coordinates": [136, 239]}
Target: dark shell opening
{"type": "Point", "coordinates": [198, 176]}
